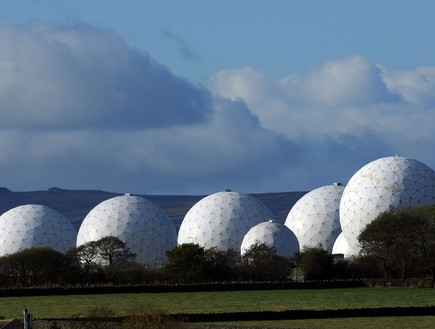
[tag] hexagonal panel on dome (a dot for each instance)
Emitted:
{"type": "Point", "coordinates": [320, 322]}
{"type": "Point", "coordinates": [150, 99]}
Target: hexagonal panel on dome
{"type": "Point", "coordinates": [273, 234]}
{"type": "Point", "coordinates": [314, 218]}
{"type": "Point", "coordinates": [222, 219]}
{"type": "Point", "coordinates": [141, 224]}
{"type": "Point", "coordinates": [31, 226]}
{"type": "Point", "coordinates": [394, 182]}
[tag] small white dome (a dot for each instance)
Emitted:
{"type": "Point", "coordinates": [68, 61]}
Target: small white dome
{"type": "Point", "coordinates": [32, 226]}
{"type": "Point", "coordinates": [273, 234]}
{"type": "Point", "coordinates": [222, 219]}
{"type": "Point", "coordinates": [341, 246]}
{"type": "Point", "coordinates": [140, 223]}
{"type": "Point", "coordinates": [315, 217]}
{"type": "Point", "coordinates": [388, 183]}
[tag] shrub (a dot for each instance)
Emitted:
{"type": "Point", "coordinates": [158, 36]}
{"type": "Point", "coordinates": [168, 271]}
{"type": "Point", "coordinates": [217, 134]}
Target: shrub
{"type": "Point", "coordinates": [98, 316]}
{"type": "Point", "coordinates": [146, 317]}
{"type": "Point", "coordinates": [316, 263]}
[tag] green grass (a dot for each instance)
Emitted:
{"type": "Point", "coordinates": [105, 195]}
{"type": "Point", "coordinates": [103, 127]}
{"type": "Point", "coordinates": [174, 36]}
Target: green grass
{"type": "Point", "coordinates": [208, 302]}
{"type": "Point", "coordinates": [405, 322]}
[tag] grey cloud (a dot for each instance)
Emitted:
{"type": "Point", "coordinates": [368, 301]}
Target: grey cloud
{"type": "Point", "coordinates": [347, 109]}
{"type": "Point", "coordinates": [79, 76]}
{"type": "Point", "coordinates": [80, 109]}
{"type": "Point", "coordinates": [231, 150]}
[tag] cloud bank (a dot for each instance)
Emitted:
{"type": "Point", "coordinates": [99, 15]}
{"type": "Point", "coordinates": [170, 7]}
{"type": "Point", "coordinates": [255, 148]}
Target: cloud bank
{"type": "Point", "coordinates": [81, 109]}
{"type": "Point", "coordinates": [53, 77]}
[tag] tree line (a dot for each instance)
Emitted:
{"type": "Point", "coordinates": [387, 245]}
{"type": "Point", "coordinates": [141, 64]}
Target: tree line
{"type": "Point", "coordinates": [396, 245]}
{"type": "Point", "coordinates": [402, 243]}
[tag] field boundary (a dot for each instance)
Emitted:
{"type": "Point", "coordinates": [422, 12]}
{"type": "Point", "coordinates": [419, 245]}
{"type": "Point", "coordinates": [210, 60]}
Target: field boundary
{"type": "Point", "coordinates": [309, 314]}
{"type": "Point", "coordinates": [276, 315]}
{"type": "Point", "coordinates": [204, 287]}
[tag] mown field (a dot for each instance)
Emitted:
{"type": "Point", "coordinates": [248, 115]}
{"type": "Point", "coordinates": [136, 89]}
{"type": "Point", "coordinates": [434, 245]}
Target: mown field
{"type": "Point", "coordinates": [238, 301]}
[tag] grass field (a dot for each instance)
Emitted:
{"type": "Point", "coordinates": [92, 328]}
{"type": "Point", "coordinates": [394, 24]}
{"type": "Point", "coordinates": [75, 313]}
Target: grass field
{"type": "Point", "coordinates": [208, 302]}
{"type": "Point", "coordinates": [414, 322]}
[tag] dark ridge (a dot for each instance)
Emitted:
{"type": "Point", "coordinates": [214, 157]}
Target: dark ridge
{"type": "Point", "coordinates": [76, 204]}
{"type": "Point", "coordinates": [4, 190]}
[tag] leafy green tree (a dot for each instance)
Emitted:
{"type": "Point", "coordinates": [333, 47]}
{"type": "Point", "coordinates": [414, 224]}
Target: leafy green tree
{"type": "Point", "coordinates": [192, 263]}
{"type": "Point", "coordinates": [378, 240]}
{"type": "Point", "coordinates": [220, 265]}
{"type": "Point", "coordinates": [126, 273]}
{"type": "Point", "coordinates": [34, 266]}
{"type": "Point", "coordinates": [402, 241]}
{"type": "Point", "coordinates": [365, 266]}
{"type": "Point", "coordinates": [185, 262]}
{"type": "Point", "coordinates": [261, 263]}
{"type": "Point", "coordinates": [425, 238]}
{"type": "Point", "coordinates": [258, 252]}
{"type": "Point", "coordinates": [316, 263]}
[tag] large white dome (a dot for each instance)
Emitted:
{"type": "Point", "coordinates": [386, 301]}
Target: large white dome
{"type": "Point", "coordinates": [140, 223]}
{"type": "Point", "coordinates": [222, 219]}
{"type": "Point", "coordinates": [388, 183]}
{"type": "Point", "coordinates": [32, 226]}
{"type": "Point", "coordinates": [273, 234]}
{"type": "Point", "coordinates": [315, 217]}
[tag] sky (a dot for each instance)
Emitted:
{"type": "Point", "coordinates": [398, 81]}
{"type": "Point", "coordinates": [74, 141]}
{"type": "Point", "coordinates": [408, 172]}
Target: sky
{"type": "Point", "coordinates": [194, 97]}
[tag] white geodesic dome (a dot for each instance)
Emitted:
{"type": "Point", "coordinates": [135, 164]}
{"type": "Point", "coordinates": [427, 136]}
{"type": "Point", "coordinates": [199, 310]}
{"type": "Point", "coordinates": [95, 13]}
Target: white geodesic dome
{"type": "Point", "coordinates": [314, 218]}
{"type": "Point", "coordinates": [32, 226]}
{"type": "Point", "coordinates": [341, 246]}
{"type": "Point", "coordinates": [141, 224]}
{"type": "Point", "coordinates": [273, 234]}
{"type": "Point", "coordinates": [222, 219]}
{"type": "Point", "coordinates": [385, 184]}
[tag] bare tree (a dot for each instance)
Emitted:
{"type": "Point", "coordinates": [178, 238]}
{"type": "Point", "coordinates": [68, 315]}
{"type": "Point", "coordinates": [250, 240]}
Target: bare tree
{"type": "Point", "coordinates": [113, 250]}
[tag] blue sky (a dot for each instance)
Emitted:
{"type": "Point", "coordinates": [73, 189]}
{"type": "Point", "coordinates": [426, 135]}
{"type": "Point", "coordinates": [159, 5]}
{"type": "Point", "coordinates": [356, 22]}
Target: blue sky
{"type": "Point", "coordinates": [192, 97]}
{"type": "Point", "coordinates": [274, 37]}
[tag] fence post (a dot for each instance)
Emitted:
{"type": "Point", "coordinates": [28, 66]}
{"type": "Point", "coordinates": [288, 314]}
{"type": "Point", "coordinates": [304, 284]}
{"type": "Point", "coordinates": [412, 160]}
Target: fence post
{"type": "Point", "coordinates": [27, 320]}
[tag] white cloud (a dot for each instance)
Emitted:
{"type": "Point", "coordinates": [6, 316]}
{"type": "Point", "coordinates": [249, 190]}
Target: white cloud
{"type": "Point", "coordinates": [342, 97]}
{"type": "Point", "coordinates": [415, 87]}
{"type": "Point", "coordinates": [353, 81]}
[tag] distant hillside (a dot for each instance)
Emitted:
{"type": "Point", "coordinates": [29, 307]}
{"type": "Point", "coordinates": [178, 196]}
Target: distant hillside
{"type": "Point", "coordinates": [76, 204]}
